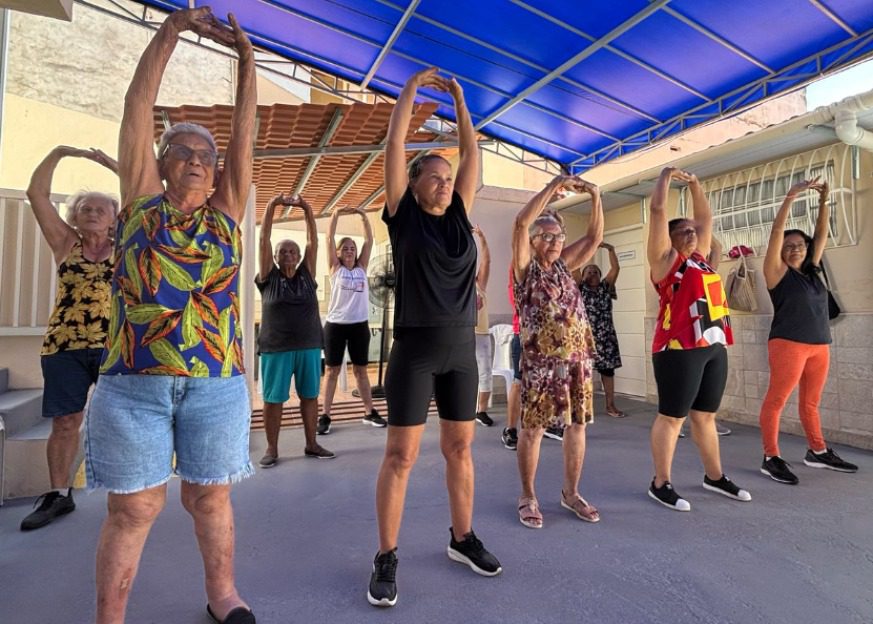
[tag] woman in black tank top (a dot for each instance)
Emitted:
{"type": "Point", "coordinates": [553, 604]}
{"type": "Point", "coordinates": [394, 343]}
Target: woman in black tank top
{"type": "Point", "coordinates": [434, 347]}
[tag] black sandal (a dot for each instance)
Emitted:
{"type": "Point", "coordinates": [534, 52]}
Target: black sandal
{"type": "Point", "coordinates": [237, 615]}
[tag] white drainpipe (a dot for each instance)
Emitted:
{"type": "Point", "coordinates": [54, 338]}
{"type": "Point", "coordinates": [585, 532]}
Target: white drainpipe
{"type": "Point", "coordinates": [845, 117]}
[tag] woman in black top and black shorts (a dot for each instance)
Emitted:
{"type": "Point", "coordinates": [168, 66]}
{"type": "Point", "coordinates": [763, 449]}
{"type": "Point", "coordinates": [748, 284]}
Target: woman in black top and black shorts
{"type": "Point", "coordinates": [434, 344]}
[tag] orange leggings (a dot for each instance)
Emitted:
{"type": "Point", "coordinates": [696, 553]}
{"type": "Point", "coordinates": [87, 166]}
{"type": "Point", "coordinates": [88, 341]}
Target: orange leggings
{"type": "Point", "coordinates": [792, 363]}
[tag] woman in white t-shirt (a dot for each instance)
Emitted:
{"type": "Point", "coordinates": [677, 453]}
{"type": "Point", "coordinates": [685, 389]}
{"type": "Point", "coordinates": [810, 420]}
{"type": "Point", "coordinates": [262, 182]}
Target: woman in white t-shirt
{"type": "Point", "coordinates": [346, 323]}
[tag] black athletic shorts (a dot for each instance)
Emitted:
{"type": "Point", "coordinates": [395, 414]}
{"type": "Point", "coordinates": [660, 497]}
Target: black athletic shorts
{"type": "Point", "coordinates": [338, 335]}
{"type": "Point", "coordinates": [425, 361]}
{"type": "Point", "coordinates": [690, 379]}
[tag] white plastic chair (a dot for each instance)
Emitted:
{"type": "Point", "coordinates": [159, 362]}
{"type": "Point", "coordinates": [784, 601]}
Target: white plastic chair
{"type": "Point", "coordinates": [501, 365]}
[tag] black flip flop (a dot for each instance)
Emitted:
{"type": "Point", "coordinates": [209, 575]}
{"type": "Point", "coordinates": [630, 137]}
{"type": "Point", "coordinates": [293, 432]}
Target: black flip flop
{"type": "Point", "coordinates": [239, 615]}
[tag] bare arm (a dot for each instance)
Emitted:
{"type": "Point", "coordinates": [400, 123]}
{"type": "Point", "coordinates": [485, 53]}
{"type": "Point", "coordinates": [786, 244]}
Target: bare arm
{"type": "Point", "coordinates": [333, 262]}
{"type": "Point", "coordinates": [467, 178]}
{"type": "Point", "coordinates": [526, 217]}
{"type": "Point", "coordinates": [484, 260]}
{"type": "Point", "coordinates": [614, 268]}
{"type": "Point", "coordinates": [59, 235]}
{"type": "Point", "coordinates": [232, 191]}
{"type": "Point", "coordinates": [364, 256]}
{"type": "Point", "coordinates": [138, 168]}
{"type": "Point", "coordinates": [265, 249]}
{"type": "Point", "coordinates": [774, 267]}
{"type": "Point", "coordinates": [581, 251]}
{"type": "Point", "coordinates": [715, 253]}
{"type": "Point", "coordinates": [702, 215]}
{"type": "Point", "coordinates": [659, 249]}
{"type": "Point", "coordinates": [311, 253]}
{"type": "Point", "coordinates": [396, 176]}
{"type": "Point", "coordinates": [820, 236]}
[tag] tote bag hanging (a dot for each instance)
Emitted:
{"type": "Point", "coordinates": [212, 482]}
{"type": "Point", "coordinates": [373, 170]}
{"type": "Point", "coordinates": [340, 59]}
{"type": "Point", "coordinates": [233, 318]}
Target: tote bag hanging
{"type": "Point", "coordinates": [741, 287]}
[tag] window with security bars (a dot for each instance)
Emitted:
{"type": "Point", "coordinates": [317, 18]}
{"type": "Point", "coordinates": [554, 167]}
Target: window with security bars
{"type": "Point", "coordinates": [745, 203]}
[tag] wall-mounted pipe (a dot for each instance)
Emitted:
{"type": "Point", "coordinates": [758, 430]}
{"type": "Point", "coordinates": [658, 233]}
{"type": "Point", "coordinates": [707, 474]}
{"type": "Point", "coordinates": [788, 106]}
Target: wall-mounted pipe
{"type": "Point", "coordinates": [844, 115]}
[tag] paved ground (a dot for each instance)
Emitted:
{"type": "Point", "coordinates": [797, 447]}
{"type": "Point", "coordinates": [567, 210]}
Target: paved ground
{"type": "Point", "coordinates": [306, 537]}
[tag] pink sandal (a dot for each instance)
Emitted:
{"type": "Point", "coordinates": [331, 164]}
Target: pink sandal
{"type": "Point", "coordinates": [581, 507]}
{"type": "Point", "coordinates": [529, 512]}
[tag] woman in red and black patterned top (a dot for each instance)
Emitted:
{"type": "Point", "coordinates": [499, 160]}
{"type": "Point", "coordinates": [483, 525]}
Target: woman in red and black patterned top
{"type": "Point", "coordinates": [692, 330]}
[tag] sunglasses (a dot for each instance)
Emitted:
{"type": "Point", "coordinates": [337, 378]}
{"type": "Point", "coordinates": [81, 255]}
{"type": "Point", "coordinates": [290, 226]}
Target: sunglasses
{"type": "Point", "coordinates": [548, 237]}
{"type": "Point", "coordinates": [183, 152]}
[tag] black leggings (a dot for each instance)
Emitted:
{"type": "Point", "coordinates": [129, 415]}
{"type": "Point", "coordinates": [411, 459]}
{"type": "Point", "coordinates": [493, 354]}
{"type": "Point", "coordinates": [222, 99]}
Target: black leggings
{"type": "Point", "coordinates": [425, 361]}
{"type": "Point", "coordinates": [690, 379]}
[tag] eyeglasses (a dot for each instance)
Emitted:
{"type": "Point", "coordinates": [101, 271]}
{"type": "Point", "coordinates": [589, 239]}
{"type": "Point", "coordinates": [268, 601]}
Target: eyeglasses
{"type": "Point", "coordinates": [548, 237]}
{"type": "Point", "coordinates": [795, 247]}
{"type": "Point", "coordinates": [686, 232]}
{"type": "Point", "coordinates": [183, 152]}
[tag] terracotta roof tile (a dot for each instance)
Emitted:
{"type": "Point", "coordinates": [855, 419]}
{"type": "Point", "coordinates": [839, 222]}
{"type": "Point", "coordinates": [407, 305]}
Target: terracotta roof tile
{"type": "Point", "coordinates": [284, 126]}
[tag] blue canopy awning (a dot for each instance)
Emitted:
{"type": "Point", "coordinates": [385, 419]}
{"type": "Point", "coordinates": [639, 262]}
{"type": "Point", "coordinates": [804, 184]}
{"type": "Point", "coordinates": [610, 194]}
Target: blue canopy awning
{"type": "Point", "coordinates": [576, 82]}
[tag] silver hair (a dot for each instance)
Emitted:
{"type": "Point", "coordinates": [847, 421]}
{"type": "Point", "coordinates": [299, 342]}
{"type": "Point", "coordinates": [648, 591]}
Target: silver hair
{"type": "Point", "coordinates": [185, 127]}
{"type": "Point", "coordinates": [537, 226]}
{"type": "Point", "coordinates": [74, 203]}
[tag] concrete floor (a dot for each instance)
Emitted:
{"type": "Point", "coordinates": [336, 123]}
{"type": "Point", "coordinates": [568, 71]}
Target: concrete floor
{"type": "Point", "coordinates": [306, 537]}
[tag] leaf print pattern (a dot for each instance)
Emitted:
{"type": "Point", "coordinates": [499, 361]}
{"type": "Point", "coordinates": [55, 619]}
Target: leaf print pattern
{"type": "Point", "coordinates": [80, 318]}
{"type": "Point", "coordinates": [175, 307]}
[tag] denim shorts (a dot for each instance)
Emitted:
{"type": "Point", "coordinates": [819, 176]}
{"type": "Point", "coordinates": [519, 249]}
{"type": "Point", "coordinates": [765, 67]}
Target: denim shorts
{"type": "Point", "coordinates": [135, 423]}
{"type": "Point", "coordinates": [277, 369]}
{"type": "Point", "coordinates": [67, 377]}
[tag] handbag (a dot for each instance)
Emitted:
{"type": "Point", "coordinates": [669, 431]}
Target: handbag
{"type": "Point", "coordinates": [741, 287]}
{"type": "Point", "coordinates": [834, 308]}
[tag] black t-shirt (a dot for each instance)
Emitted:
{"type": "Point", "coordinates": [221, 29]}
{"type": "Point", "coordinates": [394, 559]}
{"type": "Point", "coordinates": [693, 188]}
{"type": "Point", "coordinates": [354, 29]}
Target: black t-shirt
{"type": "Point", "coordinates": [289, 312]}
{"type": "Point", "coordinates": [435, 265]}
{"type": "Point", "coordinates": [800, 309]}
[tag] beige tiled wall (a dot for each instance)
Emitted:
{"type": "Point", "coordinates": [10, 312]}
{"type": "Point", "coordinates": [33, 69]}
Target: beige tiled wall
{"type": "Point", "coordinates": [847, 403]}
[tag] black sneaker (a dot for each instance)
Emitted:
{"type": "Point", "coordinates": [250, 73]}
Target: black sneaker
{"type": "Point", "coordinates": [726, 487]}
{"type": "Point", "coordinates": [829, 459]}
{"type": "Point", "coordinates": [777, 469]}
{"type": "Point", "coordinates": [471, 551]}
{"type": "Point", "coordinates": [555, 433]}
{"type": "Point", "coordinates": [323, 426]}
{"type": "Point", "coordinates": [510, 438]}
{"type": "Point", "coordinates": [50, 506]}
{"type": "Point", "coordinates": [383, 587]}
{"type": "Point", "coordinates": [484, 419]}
{"type": "Point", "coordinates": [319, 452]}
{"type": "Point", "coordinates": [722, 430]}
{"type": "Point", "coordinates": [373, 419]}
{"type": "Point", "coordinates": [668, 497]}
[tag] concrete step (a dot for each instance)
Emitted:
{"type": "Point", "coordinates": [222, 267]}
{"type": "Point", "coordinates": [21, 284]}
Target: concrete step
{"type": "Point", "coordinates": [26, 469]}
{"type": "Point", "coordinates": [20, 410]}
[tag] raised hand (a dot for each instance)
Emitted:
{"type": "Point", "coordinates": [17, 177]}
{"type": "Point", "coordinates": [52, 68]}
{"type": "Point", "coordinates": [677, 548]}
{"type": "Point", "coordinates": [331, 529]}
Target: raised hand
{"type": "Point", "coordinates": [805, 185]}
{"type": "Point", "coordinates": [100, 157]}
{"type": "Point", "coordinates": [606, 246]}
{"type": "Point", "coordinates": [428, 78]}
{"type": "Point", "coordinates": [202, 22]}
{"type": "Point", "coordinates": [240, 39]}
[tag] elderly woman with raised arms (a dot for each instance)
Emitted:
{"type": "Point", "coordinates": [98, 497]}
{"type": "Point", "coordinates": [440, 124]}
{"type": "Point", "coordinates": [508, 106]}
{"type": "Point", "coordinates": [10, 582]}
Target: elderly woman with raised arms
{"type": "Point", "coordinates": [556, 341]}
{"type": "Point", "coordinates": [73, 343]}
{"type": "Point", "coordinates": [171, 383]}
{"type": "Point", "coordinates": [693, 329]}
{"type": "Point", "coordinates": [800, 335]}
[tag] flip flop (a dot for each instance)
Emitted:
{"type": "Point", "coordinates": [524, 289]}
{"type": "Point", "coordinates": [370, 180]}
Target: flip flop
{"type": "Point", "coordinates": [237, 615]}
{"type": "Point", "coordinates": [529, 512]}
{"type": "Point", "coordinates": [582, 509]}
{"type": "Point", "coordinates": [616, 414]}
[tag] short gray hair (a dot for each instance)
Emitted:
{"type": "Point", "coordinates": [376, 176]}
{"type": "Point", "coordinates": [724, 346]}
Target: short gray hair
{"type": "Point", "coordinates": [537, 226]}
{"type": "Point", "coordinates": [185, 127]}
{"type": "Point", "coordinates": [74, 203]}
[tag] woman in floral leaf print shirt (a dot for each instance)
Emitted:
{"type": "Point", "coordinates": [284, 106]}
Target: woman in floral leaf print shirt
{"type": "Point", "coordinates": [171, 382]}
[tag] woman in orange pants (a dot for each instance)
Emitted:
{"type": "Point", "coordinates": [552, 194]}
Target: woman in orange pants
{"type": "Point", "coordinates": [799, 336]}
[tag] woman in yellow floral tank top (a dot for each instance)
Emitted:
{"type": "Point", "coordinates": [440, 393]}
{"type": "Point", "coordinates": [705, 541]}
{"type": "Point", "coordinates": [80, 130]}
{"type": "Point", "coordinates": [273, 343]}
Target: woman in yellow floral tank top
{"type": "Point", "coordinates": [73, 342]}
{"type": "Point", "coordinates": [557, 343]}
{"type": "Point", "coordinates": [172, 398]}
